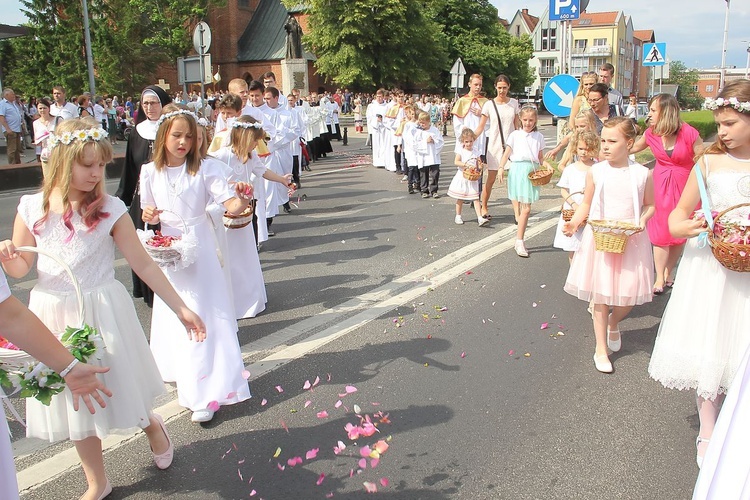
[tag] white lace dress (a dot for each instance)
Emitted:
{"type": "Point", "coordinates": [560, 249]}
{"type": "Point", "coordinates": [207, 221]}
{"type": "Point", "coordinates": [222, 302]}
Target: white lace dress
{"type": "Point", "coordinates": [248, 287]}
{"type": "Point", "coordinates": [133, 376]}
{"type": "Point", "coordinates": [204, 371]}
{"type": "Point", "coordinates": [705, 329]}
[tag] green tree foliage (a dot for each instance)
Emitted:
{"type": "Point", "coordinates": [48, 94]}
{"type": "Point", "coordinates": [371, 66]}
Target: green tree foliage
{"type": "Point", "coordinates": [685, 78]}
{"type": "Point", "coordinates": [129, 39]}
{"type": "Point", "coordinates": [368, 43]}
{"type": "Point", "coordinates": [485, 47]}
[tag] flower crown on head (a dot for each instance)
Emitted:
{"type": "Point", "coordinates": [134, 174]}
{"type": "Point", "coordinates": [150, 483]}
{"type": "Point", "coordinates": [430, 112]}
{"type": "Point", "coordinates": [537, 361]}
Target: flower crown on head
{"type": "Point", "coordinates": [714, 104]}
{"type": "Point", "coordinates": [91, 134]}
{"type": "Point", "coordinates": [237, 124]}
{"type": "Point", "coordinates": [175, 113]}
{"type": "Point", "coordinates": [202, 122]}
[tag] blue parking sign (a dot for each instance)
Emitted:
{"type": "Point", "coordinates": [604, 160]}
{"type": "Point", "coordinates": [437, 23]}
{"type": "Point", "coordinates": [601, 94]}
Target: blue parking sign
{"type": "Point", "coordinates": [559, 94]}
{"type": "Point", "coordinates": [564, 10]}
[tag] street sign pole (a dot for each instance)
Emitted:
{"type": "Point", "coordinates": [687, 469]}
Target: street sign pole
{"type": "Point", "coordinates": [201, 44]}
{"type": "Point", "coordinates": [457, 75]}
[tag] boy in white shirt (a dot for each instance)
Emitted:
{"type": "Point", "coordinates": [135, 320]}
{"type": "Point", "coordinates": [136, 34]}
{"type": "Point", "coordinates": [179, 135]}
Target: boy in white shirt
{"type": "Point", "coordinates": [428, 143]}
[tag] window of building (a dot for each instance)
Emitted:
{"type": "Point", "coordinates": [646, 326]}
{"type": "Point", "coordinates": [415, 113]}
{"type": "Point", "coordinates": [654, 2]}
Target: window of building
{"type": "Point", "coordinates": [579, 65]}
{"type": "Point", "coordinates": [547, 66]}
{"type": "Point", "coordinates": [598, 61]}
{"type": "Point", "coordinates": [518, 32]}
{"type": "Point", "coordinates": [581, 44]}
{"type": "Point", "coordinates": [549, 39]}
{"type": "Point", "coordinates": [709, 88]}
{"type": "Point", "coordinates": [600, 41]}
{"type": "Point", "coordinates": [695, 88]}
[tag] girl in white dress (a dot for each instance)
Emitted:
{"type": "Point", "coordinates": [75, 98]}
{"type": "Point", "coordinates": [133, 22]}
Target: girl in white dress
{"type": "Point", "coordinates": [75, 218]}
{"type": "Point", "coordinates": [572, 183]}
{"type": "Point", "coordinates": [241, 164]}
{"type": "Point", "coordinates": [176, 189]}
{"type": "Point", "coordinates": [461, 188]}
{"type": "Point", "coordinates": [705, 328]}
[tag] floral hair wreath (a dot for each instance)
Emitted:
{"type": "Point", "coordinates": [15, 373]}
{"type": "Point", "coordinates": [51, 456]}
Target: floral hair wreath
{"type": "Point", "coordinates": [256, 125]}
{"type": "Point", "coordinates": [164, 117]}
{"type": "Point", "coordinates": [91, 134]}
{"type": "Point", "coordinates": [714, 104]}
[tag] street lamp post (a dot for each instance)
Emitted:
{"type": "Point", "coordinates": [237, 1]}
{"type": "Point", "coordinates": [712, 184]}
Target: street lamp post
{"type": "Point", "coordinates": [89, 57]}
{"type": "Point", "coordinates": [747, 65]}
{"type": "Point", "coordinates": [724, 49]}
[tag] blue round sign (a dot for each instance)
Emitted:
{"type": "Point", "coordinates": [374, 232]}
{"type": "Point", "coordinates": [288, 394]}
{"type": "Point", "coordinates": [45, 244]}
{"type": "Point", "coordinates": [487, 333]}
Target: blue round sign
{"type": "Point", "coordinates": [559, 94]}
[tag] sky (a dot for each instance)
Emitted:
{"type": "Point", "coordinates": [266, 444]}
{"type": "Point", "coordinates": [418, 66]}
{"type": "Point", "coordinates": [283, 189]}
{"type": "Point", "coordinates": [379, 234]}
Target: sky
{"type": "Point", "coordinates": [692, 29]}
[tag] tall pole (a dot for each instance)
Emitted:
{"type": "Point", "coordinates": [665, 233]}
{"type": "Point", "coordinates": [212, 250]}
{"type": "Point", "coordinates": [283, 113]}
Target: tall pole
{"type": "Point", "coordinates": [747, 66]}
{"type": "Point", "coordinates": [724, 49]}
{"type": "Point", "coordinates": [89, 57]}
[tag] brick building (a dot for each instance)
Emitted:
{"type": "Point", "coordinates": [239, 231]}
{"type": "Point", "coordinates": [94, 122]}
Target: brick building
{"type": "Point", "coordinates": [247, 39]}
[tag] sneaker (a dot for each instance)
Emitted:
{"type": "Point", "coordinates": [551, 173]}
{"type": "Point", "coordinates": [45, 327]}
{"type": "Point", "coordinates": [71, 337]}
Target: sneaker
{"type": "Point", "coordinates": [425, 195]}
{"type": "Point", "coordinates": [521, 249]}
{"type": "Point", "coordinates": [459, 220]}
{"type": "Point", "coordinates": [482, 221]}
{"type": "Point", "coordinates": [411, 190]}
{"type": "Point", "coordinates": [435, 195]}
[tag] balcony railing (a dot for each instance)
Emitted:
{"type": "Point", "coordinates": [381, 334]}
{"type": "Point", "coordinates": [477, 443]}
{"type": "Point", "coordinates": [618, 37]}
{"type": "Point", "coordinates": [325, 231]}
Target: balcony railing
{"type": "Point", "coordinates": [547, 71]}
{"type": "Point", "coordinates": [593, 51]}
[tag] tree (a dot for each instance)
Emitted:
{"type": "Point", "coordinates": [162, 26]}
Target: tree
{"type": "Point", "coordinates": [368, 43]}
{"type": "Point", "coordinates": [485, 47]}
{"type": "Point", "coordinates": [685, 79]}
{"type": "Point", "coordinates": [129, 39]}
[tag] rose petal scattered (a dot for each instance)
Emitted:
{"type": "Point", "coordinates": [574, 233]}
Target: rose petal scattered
{"type": "Point", "coordinates": [381, 446]}
{"type": "Point", "coordinates": [374, 462]}
{"type": "Point", "coordinates": [362, 463]}
{"type": "Point", "coordinates": [364, 451]}
{"type": "Point", "coordinates": [278, 452]}
{"type": "Point", "coordinates": [337, 404]}
{"type": "Point", "coordinates": [510, 353]}
{"type": "Point", "coordinates": [307, 385]}
{"type": "Point", "coordinates": [350, 389]}
{"type": "Point", "coordinates": [281, 467]}
{"type": "Point", "coordinates": [253, 493]}
{"type": "Point", "coordinates": [279, 388]}
{"type": "Point", "coordinates": [357, 409]}
{"type": "Point", "coordinates": [283, 424]}
{"type": "Point", "coordinates": [308, 403]}
{"type": "Point", "coordinates": [263, 402]}
{"type": "Point", "coordinates": [312, 453]}
{"type": "Point", "coordinates": [544, 326]}
{"type": "Point", "coordinates": [323, 414]}
{"type": "Point", "coordinates": [317, 381]}
{"type": "Point", "coordinates": [371, 487]}
{"type": "Point", "coordinates": [245, 374]}
{"type": "Point", "coordinates": [338, 449]}
{"type": "Point", "coordinates": [384, 482]}
{"type": "Point", "coordinates": [320, 479]}
{"type": "Point", "coordinates": [463, 354]}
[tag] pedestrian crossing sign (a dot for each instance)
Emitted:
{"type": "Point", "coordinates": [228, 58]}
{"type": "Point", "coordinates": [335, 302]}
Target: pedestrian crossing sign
{"type": "Point", "coordinates": [654, 54]}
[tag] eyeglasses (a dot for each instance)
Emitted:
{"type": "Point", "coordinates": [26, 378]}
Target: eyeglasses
{"type": "Point", "coordinates": [594, 101]}
{"type": "Point", "coordinates": [147, 104]}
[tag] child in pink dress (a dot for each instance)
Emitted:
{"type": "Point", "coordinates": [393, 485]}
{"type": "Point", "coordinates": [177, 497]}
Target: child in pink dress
{"type": "Point", "coordinates": [616, 189]}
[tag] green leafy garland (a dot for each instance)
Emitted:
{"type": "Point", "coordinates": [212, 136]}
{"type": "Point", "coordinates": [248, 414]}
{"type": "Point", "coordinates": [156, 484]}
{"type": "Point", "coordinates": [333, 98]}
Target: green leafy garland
{"type": "Point", "coordinates": [37, 380]}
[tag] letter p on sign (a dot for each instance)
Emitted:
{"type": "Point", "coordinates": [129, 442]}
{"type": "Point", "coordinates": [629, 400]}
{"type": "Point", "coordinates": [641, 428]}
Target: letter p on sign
{"type": "Point", "coordinates": [559, 4]}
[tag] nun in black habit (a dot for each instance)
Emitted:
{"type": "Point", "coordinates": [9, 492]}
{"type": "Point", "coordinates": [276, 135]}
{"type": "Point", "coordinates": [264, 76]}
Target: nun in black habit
{"type": "Point", "coordinates": [138, 152]}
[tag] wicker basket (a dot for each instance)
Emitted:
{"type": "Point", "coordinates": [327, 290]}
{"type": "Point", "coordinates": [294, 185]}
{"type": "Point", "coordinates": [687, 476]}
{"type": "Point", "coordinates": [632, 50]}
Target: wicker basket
{"type": "Point", "coordinates": [541, 177]}
{"type": "Point", "coordinates": [567, 213]}
{"type": "Point", "coordinates": [171, 256]}
{"type": "Point", "coordinates": [240, 220]}
{"type": "Point", "coordinates": [612, 236]}
{"type": "Point", "coordinates": [473, 169]}
{"type": "Point", "coordinates": [733, 256]}
{"type": "Point", "coordinates": [16, 359]}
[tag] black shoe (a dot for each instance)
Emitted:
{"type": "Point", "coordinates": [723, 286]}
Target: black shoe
{"type": "Point", "coordinates": [411, 191]}
{"type": "Point", "coordinates": [271, 233]}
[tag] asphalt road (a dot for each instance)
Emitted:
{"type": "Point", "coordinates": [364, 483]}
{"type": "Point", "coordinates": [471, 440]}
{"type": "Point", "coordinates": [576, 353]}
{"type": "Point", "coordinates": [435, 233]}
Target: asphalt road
{"type": "Point", "coordinates": [439, 328]}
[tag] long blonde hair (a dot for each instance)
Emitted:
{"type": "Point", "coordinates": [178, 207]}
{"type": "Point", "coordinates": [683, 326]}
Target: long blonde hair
{"type": "Point", "coordinates": [669, 115]}
{"type": "Point", "coordinates": [61, 160]}
{"type": "Point", "coordinates": [193, 158]}
{"type": "Point", "coordinates": [739, 89]}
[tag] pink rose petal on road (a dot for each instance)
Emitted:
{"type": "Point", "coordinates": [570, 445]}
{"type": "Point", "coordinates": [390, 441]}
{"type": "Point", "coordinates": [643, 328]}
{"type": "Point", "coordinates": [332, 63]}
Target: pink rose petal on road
{"type": "Point", "coordinates": [338, 449]}
{"type": "Point", "coordinates": [213, 406]}
{"type": "Point", "coordinates": [312, 453]}
{"type": "Point", "coordinates": [381, 446]}
{"type": "Point", "coordinates": [240, 474]}
{"type": "Point", "coordinates": [463, 354]}
{"type": "Point", "coordinates": [294, 461]}
{"type": "Point", "coordinates": [329, 495]}
{"type": "Point", "coordinates": [329, 377]}
{"type": "Point", "coordinates": [320, 479]}
{"type": "Point", "coordinates": [338, 403]}
{"type": "Point", "coordinates": [279, 388]}
{"type": "Point", "coordinates": [374, 462]}
{"type": "Point", "coordinates": [281, 467]}
{"type": "Point", "coordinates": [307, 403]}
{"type": "Point", "coordinates": [283, 424]}
{"type": "Point", "coordinates": [323, 414]}
{"type": "Point", "coordinates": [317, 381]}
{"type": "Point", "coordinates": [510, 353]}
{"type": "Point", "coordinates": [365, 451]}
{"type": "Point", "coordinates": [307, 385]}
{"type": "Point", "coordinates": [245, 374]}
{"type": "Point", "coordinates": [253, 493]}
{"type": "Point", "coordinates": [362, 463]}
{"type": "Point", "coordinates": [384, 482]}
{"type": "Point", "coordinates": [350, 389]}
{"type": "Point", "coordinates": [370, 487]}
{"type": "Point", "coordinates": [263, 402]}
